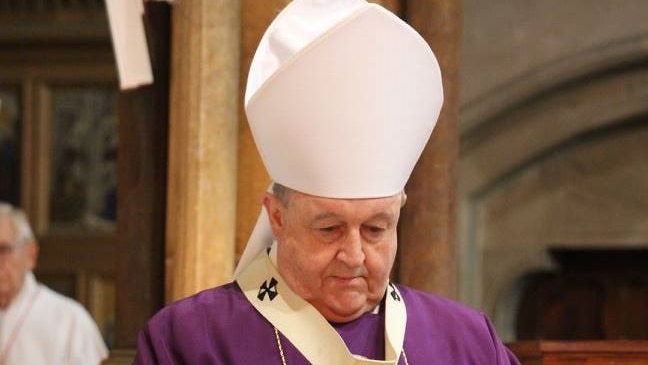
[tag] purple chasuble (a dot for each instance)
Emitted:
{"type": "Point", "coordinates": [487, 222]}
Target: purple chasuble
{"type": "Point", "coordinates": [220, 326]}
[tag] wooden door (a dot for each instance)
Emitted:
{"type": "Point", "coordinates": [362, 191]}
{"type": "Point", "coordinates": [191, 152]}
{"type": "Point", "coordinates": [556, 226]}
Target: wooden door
{"type": "Point", "coordinates": [85, 161]}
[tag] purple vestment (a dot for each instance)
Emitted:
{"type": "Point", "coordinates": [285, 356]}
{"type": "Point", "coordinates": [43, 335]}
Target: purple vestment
{"type": "Point", "coordinates": [220, 326]}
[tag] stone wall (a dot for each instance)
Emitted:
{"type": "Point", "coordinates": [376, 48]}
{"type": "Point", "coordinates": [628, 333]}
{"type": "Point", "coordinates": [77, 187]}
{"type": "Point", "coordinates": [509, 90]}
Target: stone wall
{"type": "Point", "coordinates": [554, 139]}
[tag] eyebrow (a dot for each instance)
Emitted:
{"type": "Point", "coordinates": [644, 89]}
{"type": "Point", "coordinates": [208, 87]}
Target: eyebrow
{"type": "Point", "coordinates": [325, 215]}
{"type": "Point", "coordinates": [382, 215]}
{"type": "Point", "coordinates": [329, 215]}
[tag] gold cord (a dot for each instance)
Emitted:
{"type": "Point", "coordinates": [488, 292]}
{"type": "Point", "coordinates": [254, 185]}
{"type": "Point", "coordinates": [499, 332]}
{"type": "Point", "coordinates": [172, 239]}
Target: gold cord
{"type": "Point", "coordinates": [281, 353]}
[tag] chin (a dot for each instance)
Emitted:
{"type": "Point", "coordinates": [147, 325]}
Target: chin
{"type": "Point", "coordinates": [346, 310]}
{"type": "Point", "coordinates": [343, 317]}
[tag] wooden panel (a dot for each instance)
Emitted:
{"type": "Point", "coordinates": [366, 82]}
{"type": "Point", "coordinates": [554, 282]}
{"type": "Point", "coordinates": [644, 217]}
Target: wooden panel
{"type": "Point", "coordinates": [597, 294]}
{"type": "Point", "coordinates": [143, 134]}
{"type": "Point", "coordinates": [586, 352]}
{"type": "Point", "coordinates": [69, 254]}
{"type": "Point", "coordinates": [47, 21]}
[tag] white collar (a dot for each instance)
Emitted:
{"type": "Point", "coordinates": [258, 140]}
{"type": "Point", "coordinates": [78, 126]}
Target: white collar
{"type": "Point", "coordinates": [29, 286]}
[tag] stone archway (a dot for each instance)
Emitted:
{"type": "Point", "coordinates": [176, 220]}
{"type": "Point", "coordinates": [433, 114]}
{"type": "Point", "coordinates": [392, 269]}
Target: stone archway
{"type": "Point", "coordinates": [542, 172]}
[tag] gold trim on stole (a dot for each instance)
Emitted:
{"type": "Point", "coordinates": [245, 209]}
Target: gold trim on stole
{"type": "Point", "coordinates": [305, 327]}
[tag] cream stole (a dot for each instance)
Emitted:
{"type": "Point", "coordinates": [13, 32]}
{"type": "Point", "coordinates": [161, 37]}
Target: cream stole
{"type": "Point", "coordinates": [305, 327]}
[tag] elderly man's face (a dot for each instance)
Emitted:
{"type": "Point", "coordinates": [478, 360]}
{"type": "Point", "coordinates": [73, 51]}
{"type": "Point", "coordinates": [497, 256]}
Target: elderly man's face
{"type": "Point", "coordinates": [336, 253]}
{"type": "Point", "coordinates": [15, 261]}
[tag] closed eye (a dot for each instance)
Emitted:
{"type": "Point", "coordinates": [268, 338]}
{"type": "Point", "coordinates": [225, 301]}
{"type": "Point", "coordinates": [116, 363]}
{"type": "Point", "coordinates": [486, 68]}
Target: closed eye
{"type": "Point", "coordinates": [375, 229]}
{"type": "Point", "coordinates": [328, 229]}
{"type": "Point", "coordinates": [373, 232]}
{"type": "Point", "coordinates": [330, 233]}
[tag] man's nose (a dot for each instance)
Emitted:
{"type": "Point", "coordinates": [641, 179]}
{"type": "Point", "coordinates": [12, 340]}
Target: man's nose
{"type": "Point", "coordinates": [351, 252]}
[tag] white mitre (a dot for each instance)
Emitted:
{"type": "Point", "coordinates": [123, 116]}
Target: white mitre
{"type": "Point", "coordinates": [342, 97]}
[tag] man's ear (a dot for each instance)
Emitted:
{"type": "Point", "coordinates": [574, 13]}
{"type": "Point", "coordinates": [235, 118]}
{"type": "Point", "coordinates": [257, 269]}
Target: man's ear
{"type": "Point", "coordinates": [276, 214]}
{"type": "Point", "coordinates": [31, 250]}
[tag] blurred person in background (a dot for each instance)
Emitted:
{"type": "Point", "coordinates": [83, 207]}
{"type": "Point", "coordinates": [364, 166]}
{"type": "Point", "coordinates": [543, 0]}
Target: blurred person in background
{"type": "Point", "coordinates": [38, 325]}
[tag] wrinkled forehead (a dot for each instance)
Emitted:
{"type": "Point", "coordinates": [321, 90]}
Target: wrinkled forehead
{"type": "Point", "coordinates": [7, 230]}
{"type": "Point", "coordinates": [364, 207]}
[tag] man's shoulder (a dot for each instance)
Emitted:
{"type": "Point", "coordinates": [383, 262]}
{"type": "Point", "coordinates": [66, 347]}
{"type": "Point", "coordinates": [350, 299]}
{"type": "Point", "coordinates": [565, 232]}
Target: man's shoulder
{"type": "Point", "coordinates": [452, 331]}
{"type": "Point", "coordinates": [441, 310]}
{"type": "Point", "coordinates": [58, 302]}
{"type": "Point", "coordinates": [437, 301]}
{"type": "Point", "coordinates": [223, 296]}
{"type": "Point", "coordinates": [208, 303]}
{"type": "Point", "coordinates": [53, 308]}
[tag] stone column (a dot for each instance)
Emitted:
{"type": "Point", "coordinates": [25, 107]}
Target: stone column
{"type": "Point", "coordinates": [201, 218]}
{"type": "Point", "coordinates": [427, 231]}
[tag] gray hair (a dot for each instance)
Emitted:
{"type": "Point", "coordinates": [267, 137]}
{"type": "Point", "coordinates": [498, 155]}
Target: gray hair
{"type": "Point", "coordinates": [24, 233]}
{"type": "Point", "coordinates": [281, 192]}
